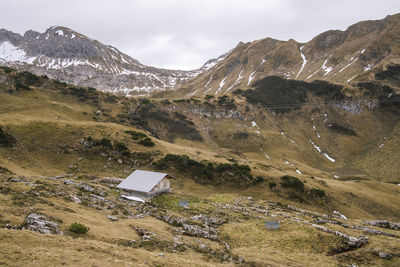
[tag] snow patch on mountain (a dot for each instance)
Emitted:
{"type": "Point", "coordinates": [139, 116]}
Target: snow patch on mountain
{"type": "Point", "coordinates": [315, 146]}
{"type": "Point", "coordinates": [328, 157]}
{"type": "Point", "coordinates": [352, 60]}
{"type": "Point", "coordinates": [325, 68]}
{"type": "Point", "coordinates": [304, 61]}
{"type": "Point", "coordinates": [236, 82]}
{"type": "Point", "coordinates": [59, 32]}
{"type": "Point", "coordinates": [349, 80]}
{"type": "Point", "coordinates": [9, 52]}
{"type": "Point", "coordinates": [251, 78]}
{"type": "Point", "coordinates": [368, 67]}
{"type": "Point", "coordinates": [383, 142]}
{"type": "Point", "coordinates": [221, 84]}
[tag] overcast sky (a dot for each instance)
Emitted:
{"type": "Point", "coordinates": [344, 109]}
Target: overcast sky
{"type": "Point", "coordinates": [184, 34]}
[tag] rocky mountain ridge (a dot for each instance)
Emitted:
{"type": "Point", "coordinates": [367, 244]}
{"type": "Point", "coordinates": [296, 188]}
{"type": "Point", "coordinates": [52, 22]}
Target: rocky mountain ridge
{"type": "Point", "coordinates": [69, 56]}
{"type": "Point", "coordinates": [340, 57]}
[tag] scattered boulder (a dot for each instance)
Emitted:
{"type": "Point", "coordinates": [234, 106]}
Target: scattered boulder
{"type": "Point", "coordinates": [75, 199]}
{"type": "Point", "coordinates": [91, 189]}
{"type": "Point", "coordinates": [194, 230]}
{"type": "Point", "coordinates": [144, 234]}
{"type": "Point", "coordinates": [111, 180]}
{"type": "Point", "coordinates": [384, 255]}
{"type": "Point", "coordinates": [41, 223]}
{"type": "Point", "coordinates": [320, 221]}
{"type": "Point", "coordinates": [61, 176]}
{"type": "Point", "coordinates": [367, 230]}
{"type": "Point", "coordinates": [351, 241]}
{"type": "Point", "coordinates": [341, 216]}
{"type": "Point", "coordinates": [112, 218]}
{"type": "Point", "coordinates": [385, 224]}
{"type": "Point", "coordinates": [15, 180]}
{"type": "Point", "coordinates": [86, 142]}
{"type": "Point", "coordinates": [68, 182]}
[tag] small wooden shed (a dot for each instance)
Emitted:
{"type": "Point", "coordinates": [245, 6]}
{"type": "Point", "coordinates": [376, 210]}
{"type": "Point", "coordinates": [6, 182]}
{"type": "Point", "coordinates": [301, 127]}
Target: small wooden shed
{"type": "Point", "coordinates": [145, 184]}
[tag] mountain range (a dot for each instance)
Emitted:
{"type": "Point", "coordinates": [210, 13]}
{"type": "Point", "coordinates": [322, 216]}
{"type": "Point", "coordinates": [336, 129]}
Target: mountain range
{"type": "Point", "coordinates": [68, 56]}
{"type": "Point", "coordinates": [341, 57]}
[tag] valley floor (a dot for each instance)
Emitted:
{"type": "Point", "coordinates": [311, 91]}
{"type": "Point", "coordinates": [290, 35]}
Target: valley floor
{"type": "Point", "coordinates": [221, 229]}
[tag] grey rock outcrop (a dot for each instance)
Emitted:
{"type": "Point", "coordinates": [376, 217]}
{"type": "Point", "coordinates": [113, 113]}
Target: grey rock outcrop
{"type": "Point", "coordinates": [385, 224]}
{"type": "Point", "coordinates": [352, 242]}
{"type": "Point", "coordinates": [41, 223]}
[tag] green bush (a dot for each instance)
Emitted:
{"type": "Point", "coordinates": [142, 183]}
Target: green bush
{"type": "Point", "coordinates": [5, 170]}
{"type": "Point", "coordinates": [146, 142]}
{"type": "Point", "coordinates": [181, 100]}
{"type": "Point", "coordinates": [7, 69]}
{"type": "Point", "coordinates": [283, 95]}
{"type": "Point", "coordinates": [104, 142]}
{"type": "Point", "coordinates": [288, 181]}
{"type": "Point", "coordinates": [144, 101]}
{"type": "Point", "coordinates": [122, 148]}
{"type": "Point", "coordinates": [207, 172]}
{"type": "Point", "coordinates": [172, 124]}
{"type": "Point", "coordinates": [78, 228]}
{"type": "Point", "coordinates": [259, 179]}
{"type": "Point", "coordinates": [20, 87]}
{"type": "Point", "coordinates": [341, 129]}
{"type": "Point", "coordinates": [136, 135]}
{"type": "Point", "coordinates": [317, 193]}
{"type": "Point", "coordinates": [6, 139]}
{"type": "Point", "coordinates": [272, 185]}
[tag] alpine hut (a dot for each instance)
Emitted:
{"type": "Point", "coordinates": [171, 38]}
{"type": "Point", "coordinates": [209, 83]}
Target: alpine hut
{"type": "Point", "coordinates": [144, 185]}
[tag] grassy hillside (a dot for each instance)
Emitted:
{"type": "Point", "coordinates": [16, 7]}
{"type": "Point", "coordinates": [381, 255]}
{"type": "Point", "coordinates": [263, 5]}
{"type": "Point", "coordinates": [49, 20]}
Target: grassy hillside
{"type": "Point", "coordinates": [229, 156]}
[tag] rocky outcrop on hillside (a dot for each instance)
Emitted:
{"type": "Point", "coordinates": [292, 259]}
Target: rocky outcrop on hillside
{"type": "Point", "coordinates": [41, 223]}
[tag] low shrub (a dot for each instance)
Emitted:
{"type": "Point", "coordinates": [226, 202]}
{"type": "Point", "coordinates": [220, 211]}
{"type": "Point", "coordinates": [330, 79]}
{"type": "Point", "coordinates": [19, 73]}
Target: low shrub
{"type": "Point", "coordinates": [122, 148]}
{"type": "Point", "coordinates": [288, 181]}
{"type": "Point", "coordinates": [146, 142]}
{"type": "Point", "coordinates": [208, 172]}
{"type": "Point", "coordinates": [104, 142]}
{"type": "Point", "coordinates": [136, 135]}
{"type": "Point", "coordinates": [259, 179]}
{"type": "Point", "coordinates": [144, 101]}
{"type": "Point", "coordinates": [342, 129]}
{"type": "Point", "coordinates": [21, 87]}
{"type": "Point", "coordinates": [6, 139]}
{"type": "Point", "coordinates": [317, 193]}
{"type": "Point", "coordinates": [5, 170]}
{"type": "Point", "coordinates": [7, 69]}
{"type": "Point", "coordinates": [78, 228]}
{"type": "Point", "coordinates": [272, 185]}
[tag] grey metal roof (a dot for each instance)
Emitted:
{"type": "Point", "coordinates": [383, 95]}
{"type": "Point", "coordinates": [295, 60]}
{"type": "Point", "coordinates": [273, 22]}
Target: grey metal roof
{"type": "Point", "coordinates": [142, 181]}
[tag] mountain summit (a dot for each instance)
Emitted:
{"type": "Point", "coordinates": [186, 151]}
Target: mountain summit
{"type": "Point", "coordinates": [69, 56]}
{"type": "Point", "coordinates": [341, 57]}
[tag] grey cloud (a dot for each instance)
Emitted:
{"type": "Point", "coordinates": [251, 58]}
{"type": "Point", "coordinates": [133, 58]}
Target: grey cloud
{"type": "Point", "coordinates": [184, 34]}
